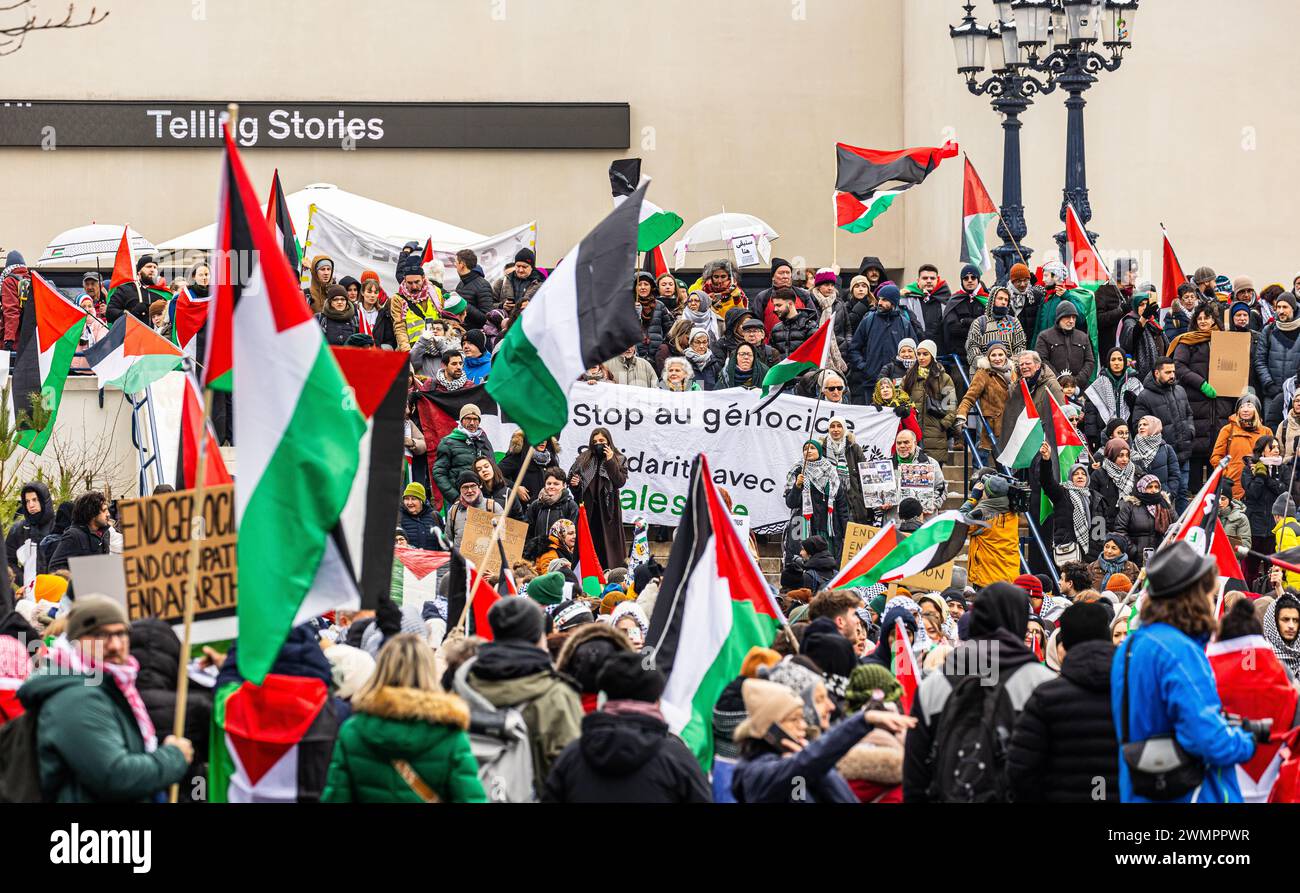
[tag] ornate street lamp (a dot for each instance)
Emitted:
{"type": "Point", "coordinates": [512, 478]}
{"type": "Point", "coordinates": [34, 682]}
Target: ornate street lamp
{"type": "Point", "coordinates": [1068, 30]}
{"type": "Point", "coordinates": [1011, 91]}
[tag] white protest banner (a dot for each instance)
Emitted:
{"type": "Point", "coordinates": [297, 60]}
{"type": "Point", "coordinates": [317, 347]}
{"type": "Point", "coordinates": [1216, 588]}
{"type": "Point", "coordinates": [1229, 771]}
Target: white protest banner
{"type": "Point", "coordinates": [660, 433]}
{"type": "Point", "coordinates": [355, 250]}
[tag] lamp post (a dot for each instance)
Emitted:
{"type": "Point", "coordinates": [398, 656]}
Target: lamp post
{"type": "Point", "coordinates": [1011, 91]}
{"type": "Point", "coordinates": [1068, 30]}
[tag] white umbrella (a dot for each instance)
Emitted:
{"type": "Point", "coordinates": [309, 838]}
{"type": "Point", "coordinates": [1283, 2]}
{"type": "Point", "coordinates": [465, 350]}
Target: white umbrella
{"type": "Point", "coordinates": [719, 233]}
{"type": "Point", "coordinates": [91, 247]}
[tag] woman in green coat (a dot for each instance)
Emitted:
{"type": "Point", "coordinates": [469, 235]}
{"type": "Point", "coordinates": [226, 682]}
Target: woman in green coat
{"type": "Point", "coordinates": [405, 741]}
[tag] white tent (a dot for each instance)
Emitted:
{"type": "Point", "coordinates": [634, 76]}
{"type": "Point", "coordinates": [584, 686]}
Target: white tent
{"type": "Point", "coordinates": [90, 247]}
{"type": "Point", "coordinates": [391, 223]}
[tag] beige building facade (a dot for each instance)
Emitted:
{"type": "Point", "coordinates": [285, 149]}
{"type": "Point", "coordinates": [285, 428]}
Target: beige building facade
{"type": "Point", "coordinates": [734, 104]}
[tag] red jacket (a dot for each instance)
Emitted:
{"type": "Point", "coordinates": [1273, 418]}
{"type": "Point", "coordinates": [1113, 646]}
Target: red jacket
{"type": "Point", "coordinates": [13, 309]}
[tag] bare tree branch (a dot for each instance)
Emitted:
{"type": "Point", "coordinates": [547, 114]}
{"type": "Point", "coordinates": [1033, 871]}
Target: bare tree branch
{"type": "Point", "coordinates": [12, 37]}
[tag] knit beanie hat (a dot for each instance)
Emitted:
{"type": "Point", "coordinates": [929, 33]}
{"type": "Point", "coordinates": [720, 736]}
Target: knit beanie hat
{"type": "Point", "coordinates": [1242, 283]}
{"type": "Point", "coordinates": [1118, 583]}
{"type": "Point", "coordinates": [625, 677]}
{"type": "Point", "coordinates": [454, 304]}
{"type": "Point", "coordinates": [517, 619]}
{"type": "Point", "coordinates": [349, 669]}
{"type": "Point", "coordinates": [766, 703]}
{"type": "Point", "coordinates": [757, 658]}
{"type": "Point", "coordinates": [888, 292]}
{"type": "Point", "coordinates": [416, 489]}
{"type": "Point", "coordinates": [1084, 622]}
{"type": "Point", "coordinates": [1031, 584]}
{"type": "Point", "coordinates": [527, 256]}
{"type": "Point", "coordinates": [824, 276]}
{"type": "Point", "coordinates": [972, 270]}
{"type": "Point", "coordinates": [867, 678]}
{"type": "Point", "coordinates": [548, 589]}
{"type": "Point", "coordinates": [1019, 271]}
{"type": "Point", "coordinates": [90, 612]}
{"type": "Point", "coordinates": [1064, 309]}
{"type": "Point", "coordinates": [144, 259]}
{"type": "Point", "coordinates": [778, 263]}
{"type": "Point", "coordinates": [1283, 506]}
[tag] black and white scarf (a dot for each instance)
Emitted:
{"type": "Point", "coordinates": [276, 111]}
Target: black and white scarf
{"type": "Point", "coordinates": [1145, 447]}
{"type": "Point", "coordinates": [1080, 515]}
{"type": "Point", "coordinates": [1121, 477]}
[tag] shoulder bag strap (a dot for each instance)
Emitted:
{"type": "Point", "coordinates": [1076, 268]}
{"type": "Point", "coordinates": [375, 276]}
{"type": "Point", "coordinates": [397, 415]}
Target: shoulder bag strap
{"type": "Point", "coordinates": [415, 782]}
{"type": "Point", "coordinates": [1128, 652]}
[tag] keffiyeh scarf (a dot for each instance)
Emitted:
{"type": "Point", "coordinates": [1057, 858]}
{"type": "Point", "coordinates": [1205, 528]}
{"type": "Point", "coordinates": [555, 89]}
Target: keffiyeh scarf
{"type": "Point", "coordinates": [66, 656]}
{"type": "Point", "coordinates": [1121, 477]}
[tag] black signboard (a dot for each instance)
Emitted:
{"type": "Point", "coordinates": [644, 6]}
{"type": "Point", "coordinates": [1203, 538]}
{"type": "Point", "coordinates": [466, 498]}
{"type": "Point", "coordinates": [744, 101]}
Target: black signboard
{"type": "Point", "coordinates": [165, 124]}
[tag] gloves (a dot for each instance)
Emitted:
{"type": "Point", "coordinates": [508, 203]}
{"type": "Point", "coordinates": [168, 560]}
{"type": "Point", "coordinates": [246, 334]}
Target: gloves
{"type": "Point", "coordinates": [902, 411]}
{"type": "Point", "coordinates": [1208, 391]}
{"type": "Point", "coordinates": [959, 425]}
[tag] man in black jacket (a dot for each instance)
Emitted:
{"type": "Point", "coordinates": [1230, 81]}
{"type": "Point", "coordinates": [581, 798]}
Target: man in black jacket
{"type": "Point", "coordinates": [476, 290]}
{"type": "Point", "coordinates": [88, 534]}
{"type": "Point", "coordinates": [36, 523]}
{"type": "Point", "coordinates": [626, 753]}
{"type": "Point", "coordinates": [793, 326]}
{"type": "Point", "coordinates": [132, 298]}
{"type": "Point", "coordinates": [1067, 348]}
{"type": "Point", "coordinates": [1163, 397]}
{"type": "Point", "coordinates": [782, 277]}
{"type": "Point", "coordinates": [1063, 748]}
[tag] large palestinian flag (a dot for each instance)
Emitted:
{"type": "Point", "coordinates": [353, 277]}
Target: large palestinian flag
{"type": "Point", "coordinates": [50, 330]}
{"type": "Point", "coordinates": [187, 456]}
{"type": "Point", "coordinates": [377, 379]}
{"type": "Point", "coordinates": [299, 429]}
{"type": "Point", "coordinates": [872, 553]}
{"type": "Point", "coordinates": [132, 356]}
{"type": "Point", "coordinates": [580, 316]}
{"type": "Point", "coordinates": [589, 572]}
{"type": "Point", "coordinates": [860, 174]}
{"type": "Point", "coordinates": [188, 315]}
{"type": "Point", "coordinates": [123, 264]}
{"type": "Point", "coordinates": [655, 224]}
{"type": "Point", "coordinates": [1085, 272]}
{"type": "Point", "coordinates": [1021, 442]}
{"type": "Point", "coordinates": [1200, 527]}
{"type": "Point", "coordinates": [713, 606]}
{"type": "Point", "coordinates": [439, 413]}
{"type": "Point", "coordinates": [936, 542]}
{"type": "Point", "coordinates": [1253, 682]}
{"type": "Point", "coordinates": [415, 575]}
{"type": "Point", "coordinates": [807, 357]}
{"type": "Point", "coordinates": [1067, 445]}
{"type": "Point", "coordinates": [977, 212]}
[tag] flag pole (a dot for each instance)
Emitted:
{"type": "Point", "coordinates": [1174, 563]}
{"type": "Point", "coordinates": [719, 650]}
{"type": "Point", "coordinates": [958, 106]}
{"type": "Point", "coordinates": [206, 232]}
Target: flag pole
{"type": "Point", "coordinates": [198, 532]}
{"type": "Point", "coordinates": [497, 527]}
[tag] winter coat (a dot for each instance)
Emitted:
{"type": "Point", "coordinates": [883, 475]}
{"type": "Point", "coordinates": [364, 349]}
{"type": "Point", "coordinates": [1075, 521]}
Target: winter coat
{"type": "Point", "coordinates": [847, 319]}
{"type": "Point", "coordinates": [984, 331]}
{"type": "Point", "coordinates": [1235, 524]}
{"type": "Point", "coordinates": [88, 744]}
{"type": "Point", "coordinates": [993, 552]}
{"type": "Point", "coordinates": [477, 292]}
{"type": "Point", "coordinates": [382, 329]}
{"type": "Point", "coordinates": [1169, 403]}
{"type": "Point", "coordinates": [518, 290]}
{"type": "Point", "coordinates": [516, 674]}
{"type": "Point", "coordinates": [992, 392]}
{"type": "Point", "coordinates": [1068, 352]}
{"type": "Point", "coordinates": [541, 517]}
{"type": "Point", "coordinates": [456, 454]}
{"type": "Point", "coordinates": [128, 299]}
{"type": "Point", "coordinates": [420, 529]}
{"type": "Point", "coordinates": [1164, 465]}
{"type": "Point", "coordinates": [788, 334]}
{"type": "Point", "coordinates": [654, 331]}
{"type": "Point", "coordinates": [13, 279]}
{"type": "Point", "coordinates": [626, 758]}
{"type": "Point", "coordinates": [1286, 535]}
{"type": "Point", "coordinates": [770, 777]}
{"type": "Point", "coordinates": [959, 312]}
{"type": "Point", "coordinates": [1139, 525]}
{"type": "Point", "coordinates": [730, 339]}
{"type": "Point", "coordinates": [819, 570]}
{"type": "Point", "coordinates": [1237, 442]}
{"type": "Point", "coordinates": [1132, 332]}
{"type": "Point", "coordinates": [1063, 747]}
{"type": "Point", "coordinates": [477, 369]}
{"type": "Point", "coordinates": [604, 509]}
{"type": "Point", "coordinates": [638, 373]}
{"type": "Point", "coordinates": [337, 331]}
{"type": "Point", "coordinates": [1172, 691]}
{"type": "Point", "coordinates": [835, 534]}
{"type": "Point", "coordinates": [853, 458]}
{"type": "Point", "coordinates": [1177, 322]}
{"type": "Point", "coordinates": [875, 343]}
{"type": "Point", "coordinates": [77, 541]}
{"type": "Point", "coordinates": [1276, 358]}
{"type": "Point", "coordinates": [1062, 518]}
{"type": "Point", "coordinates": [926, 310]}
{"type": "Point", "coordinates": [1208, 416]}
{"type": "Point", "coordinates": [1099, 578]}
{"type": "Point", "coordinates": [1110, 498]}
{"type": "Point", "coordinates": [935, 414]}
{"type": "Point", "coordinates": [1263, 485]}
{"type": "Point", "coordinates": [1111, 305]}
{"type": "Point", "coordinates": [426, 729]}
{"type": "Point", "coordinates": [29, 527]}
{"type": "Point", "coordinates": [761, 309]}
{"type": "Point", "coordinates": [155, 646]}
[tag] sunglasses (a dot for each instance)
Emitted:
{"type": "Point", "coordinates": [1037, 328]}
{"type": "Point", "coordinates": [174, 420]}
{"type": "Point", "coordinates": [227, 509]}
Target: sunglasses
{"type": "Point", "coordinates": [970, 277]}
{"type": "Point", "coordinates": [835, 387]}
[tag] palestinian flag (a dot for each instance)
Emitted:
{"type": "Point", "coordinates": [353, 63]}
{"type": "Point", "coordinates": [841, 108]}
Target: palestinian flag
{"type": "Point", "coordinates": [415, 575]}
{"type": "Point", "coordinates": [860, 174]}
{"type": "Point", "coordinates": [654, 262]}
{"type": "Point", "coordinates": [277, 215]}
{"type": "Point", "coordinates": [123, 264]}
{"type": "Point", "coordinates": [1201, 528]}
{"type": "Point", "coordinates": [585, 296]}
{"type": "Point", "coordinates": [589, 572]}
{"type": "Point", "coordinates": [377, 379]}
{"type": "Point", "coordinates": [428, 251]}
{"type": "Point", "coordinates": [655, 225]}
{"type": "Point", "coordinates": [713, 606]}
{"type": "Point", "coordinates": [871, 554]}
{"type": "Point", "coordinates": [187, 456]}
{"type": "Point", "coordinates": [299, 430]}
{"type": "Point", "coordinates": [936, 542]}
{"type": "Point", "coordinates": [807, 357]}
{"type": "Point", "coordinates": [439, 413]}
{"type": "Point", "coordinates": [187, 315]}
{"type": "Point", "coordinates": [132, 356]}
{"type": "Point", "coordinates": [1067, 446]}
{"type": "Point", "coordinates": [467, 588]}
{"type": "Point", "coordinates": [49, 333]}
{"type": "Point", "coordinates": [1172, 274]}
{"type": "Point", "coordinates": [905, 669]}
{"type": "Point", "coordinates": [977, 212]}
{"type": "Point", "coordinates": [269, 740]}
{"type": "Point", "coordinates": [1252, 682]}
{"type": "Point", "coordinates": [1086, 271]}
{"type": "Point", "coordinates": [1021, 444]}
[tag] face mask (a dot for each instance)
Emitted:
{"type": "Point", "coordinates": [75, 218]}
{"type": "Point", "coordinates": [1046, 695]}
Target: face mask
{"type": "Point", "coordinates": [1272, 460]}
{"type": "Point", "coordinates": [998, 311]}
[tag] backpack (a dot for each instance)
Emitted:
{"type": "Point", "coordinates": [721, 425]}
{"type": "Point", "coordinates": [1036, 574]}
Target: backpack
{"type": "Point", "coordinates": [20, 771]}
{"type": "Point", "coordinates": [498, 738]}
{"type": "Point", "coordinates": [45, 551]}
{"type": "Point", "coordinates": [969, 753]}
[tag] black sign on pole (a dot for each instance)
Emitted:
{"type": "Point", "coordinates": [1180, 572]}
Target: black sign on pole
{"type": "Point", "coordinates": [165, 124]}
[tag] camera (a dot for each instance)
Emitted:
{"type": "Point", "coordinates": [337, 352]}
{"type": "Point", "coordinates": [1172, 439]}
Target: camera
{"type": "Point", "coordinates": [1259, 729]}
{"type": "Point", "coordinates": [1017, 490]}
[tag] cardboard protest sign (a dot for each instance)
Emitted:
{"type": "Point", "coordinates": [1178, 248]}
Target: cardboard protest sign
{"type": "Point", "coordinates": [478, 532]}
{"type": "Point", "coordinates": [1229, 363]}
{"type": "Point", "coordinates": [156, 550]}
{"type": "Point", "coordinates": [936, 579]}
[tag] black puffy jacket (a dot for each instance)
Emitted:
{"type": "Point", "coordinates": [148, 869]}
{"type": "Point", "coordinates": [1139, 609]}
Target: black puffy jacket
{"type": "Point", "coordinates": [1064, 748]}
{"type": "Point", "coordinates": [155, 645]}
{"type": "Point", "coordinates": [477, 292]}
{"type": "Point", "coordinates": [959, 312]}
{"type": "Point", "coordinates": [788, 334]}
{"type": "Point", "coordinates": [1277, 358]}
{"type": "Point", "coordinates": [653, 330]}
{"type": "Point", "coordinates": [626, 758]}
{"type": "Point", "coordinates": [1262, 490]}
{"type": "Point", "coordinates": [419, 529]}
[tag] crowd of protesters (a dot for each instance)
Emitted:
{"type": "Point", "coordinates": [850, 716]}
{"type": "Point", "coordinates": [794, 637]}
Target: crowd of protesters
{"type": "Point", "coordinates": [1072, 659]}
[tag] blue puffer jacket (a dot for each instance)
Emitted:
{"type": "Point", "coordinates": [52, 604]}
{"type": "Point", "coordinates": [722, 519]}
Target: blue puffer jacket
{"type": "Point", "coordinates": [1172, 690]}
{"type": "Point", "coordinates": [770, 777]}
{"type": "Point", "coordinates": [875, 343]}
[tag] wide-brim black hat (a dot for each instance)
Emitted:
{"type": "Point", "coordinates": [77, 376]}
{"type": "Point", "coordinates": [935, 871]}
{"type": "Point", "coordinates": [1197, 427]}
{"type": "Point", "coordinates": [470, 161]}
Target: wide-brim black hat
{"type": "Point", "coordinates": [1175, 567]}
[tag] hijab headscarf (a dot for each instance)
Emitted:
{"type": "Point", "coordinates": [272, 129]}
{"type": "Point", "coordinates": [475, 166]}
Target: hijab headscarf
{"type": "Point", "coordinates": [1081, 507]}
{"type": "Point", "coordinates": [1145, 446]}
{"type": "Point", "coordinates": [837, 450]}
{"type": "Point", "coordinates": [1121, 477]}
